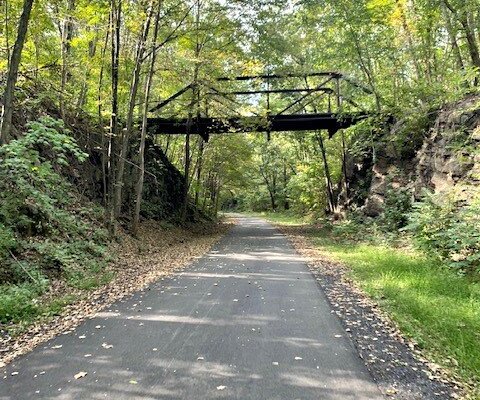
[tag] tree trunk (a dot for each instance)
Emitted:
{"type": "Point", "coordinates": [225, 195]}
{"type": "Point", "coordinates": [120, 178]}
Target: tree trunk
{"type": "Point", "coordinates": [191, 112]}
{"type": "Point", "coordinates": [92, 48]}
{"type": "Point", "coordinates": [199, 169]}
{"type": "Point", "coordinates": [328, 178]}
{"type": "Point", "coordinates": [12, 74]}
{"type": "Point", "coordinates": [66, 38]}
{"type": "Point", "coordinates": [7, 34]}
{"type": "Point", "coordinates": [131, 108]}
{"type": "Point", "coordinates": [286, 203]}
{"type": "Point", "coordinates": [99, 110]}
{"type": "Point", "coordinates": [411, 47]}
{"type": "Point", "coordinates": [471, 40]}
{"type": "Point", "coordinates": [344, 167]}
{"type": "Point", "coordinates": [465, 20]}
{"type": "Point", "coordinates": [453, 40]}
{"type": "Point", "coordinates": [112, 138]}
{"type": "Point", "coordinates": [141, 152]}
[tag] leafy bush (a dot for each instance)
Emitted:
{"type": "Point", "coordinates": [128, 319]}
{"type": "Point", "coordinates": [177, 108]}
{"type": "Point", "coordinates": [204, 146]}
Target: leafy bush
{"type": "Point", "coordinates": [32, 191]}
{"type": "Point", "coordinates": [7, 241]}
{"type": "Point", "coordinates": [396, 207]}
{"type": "Point", "coordinates": [447, 225]}
{"type": "Point", "coordinates": [45, 228]}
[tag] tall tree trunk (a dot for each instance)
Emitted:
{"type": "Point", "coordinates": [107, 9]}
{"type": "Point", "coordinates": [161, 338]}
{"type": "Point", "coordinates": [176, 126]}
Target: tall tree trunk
{"type": "Point", "coordinates": [130, 112]}
{"type": "Point", "coordinates": [141, 152]}
{"type": "Point", "coordinates": [408, 33]}
{"type": "Point", "coordinates": [471, 40]}
{"type": "Point", "coordinates": [328, 178]}
{"type": "Point", "coordinates": [66, 38]}
{"type": "Point", "coordinates": [191, 112]}
{"type": "Point", "coordinates": [344, 167]}
{"type": "Point", "coordinates": [112, 138]}
{"type": "Point", "coordinates": [12, 74]}
{"type": "Point", "coordinates": [271, 187]}
{"type": "Point", "coordinates": [453, 40]}
{"type": "Point", "coordinates": [464, 19]}
{"type": "Point", "coordinates": [92, 48]}
{"type": "Point", "coordinates": [7, 33]}
{"type": "Point", "coordinates": [286, 203]}
{"type": "Point", "coordinates": [199, 169]}
{"type": "Point", "coordinates": [99, 111]}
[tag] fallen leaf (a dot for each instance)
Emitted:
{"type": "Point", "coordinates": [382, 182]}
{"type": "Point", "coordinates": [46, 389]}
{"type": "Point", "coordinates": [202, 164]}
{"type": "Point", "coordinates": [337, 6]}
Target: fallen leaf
{"type": "Point", "coordinates": [81, 374]}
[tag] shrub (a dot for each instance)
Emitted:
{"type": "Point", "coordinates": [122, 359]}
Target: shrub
{"type": "Point", "coordinates": [45, 228]}
{"type": "Point", "coordinates": [397, 205]}
{"type": "Point", "coordinates": [447, 225]}
{"type": "Point", "coordinates": [7, 241]}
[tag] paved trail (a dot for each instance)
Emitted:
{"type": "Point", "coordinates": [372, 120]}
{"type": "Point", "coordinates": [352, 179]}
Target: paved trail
{"type": "Point", "coordinates": [246, 321]}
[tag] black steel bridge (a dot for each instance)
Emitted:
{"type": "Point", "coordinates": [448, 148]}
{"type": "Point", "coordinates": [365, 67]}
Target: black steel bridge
{"type": "Point", "coordinates": [264, 103]}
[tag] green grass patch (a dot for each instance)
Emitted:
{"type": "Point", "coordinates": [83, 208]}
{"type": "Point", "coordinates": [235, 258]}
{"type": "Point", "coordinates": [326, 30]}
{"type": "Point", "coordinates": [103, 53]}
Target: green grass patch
{"type": "Point", "coordinates": [432, 304]}
{"type": "Point", "coordinates": [284, 218]}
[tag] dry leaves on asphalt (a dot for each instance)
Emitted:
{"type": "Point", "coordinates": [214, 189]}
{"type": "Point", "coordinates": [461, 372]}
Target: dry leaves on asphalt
{"type": "Point", "coordinates": [80, 375]}
{"type": "Point", "coordinates": [156, 253]}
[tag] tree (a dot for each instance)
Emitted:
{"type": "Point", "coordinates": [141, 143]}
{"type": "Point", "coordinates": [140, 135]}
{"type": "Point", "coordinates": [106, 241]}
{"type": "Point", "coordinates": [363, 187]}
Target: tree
{"type": "Point", "coordinates": [139, 58]}
{"type": "Point", "coordinates": [12, 74]}
{"type": "Point", "coordinates": [143, 134]}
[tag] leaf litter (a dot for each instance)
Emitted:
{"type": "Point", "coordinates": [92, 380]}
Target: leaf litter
{"type": "Point", "coordinates": [170, 249]}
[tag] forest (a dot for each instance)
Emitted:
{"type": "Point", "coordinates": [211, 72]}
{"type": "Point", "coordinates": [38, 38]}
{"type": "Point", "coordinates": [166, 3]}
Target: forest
{"type": "Point", "coordinates": [91, 180]}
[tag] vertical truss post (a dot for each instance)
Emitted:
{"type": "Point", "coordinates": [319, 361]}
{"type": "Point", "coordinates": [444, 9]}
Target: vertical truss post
{"type": "Point", "coordinates": [337, 92]}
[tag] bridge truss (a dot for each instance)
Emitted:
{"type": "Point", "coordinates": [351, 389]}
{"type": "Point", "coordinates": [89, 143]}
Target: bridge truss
{"type": "Point", "coordinates": [262, 103]}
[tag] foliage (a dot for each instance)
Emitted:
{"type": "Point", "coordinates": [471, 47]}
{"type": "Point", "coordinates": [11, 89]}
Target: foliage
{"type": "Point", "coordinates": [44, 230]}
{"type": "Point", "coordinates": [398, 202]}
{"type": "Point", "coordinates": [32, 190]}
{"type": "Point", "coordinates": [446, 225]}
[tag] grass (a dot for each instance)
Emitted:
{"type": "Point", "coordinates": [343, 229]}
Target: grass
{"type": "Point", "coordinates": [22, 304]}
{"type": "Point", "coordinates": [282, 218]}
{"type": "Point", "coordinates": [433, 305]}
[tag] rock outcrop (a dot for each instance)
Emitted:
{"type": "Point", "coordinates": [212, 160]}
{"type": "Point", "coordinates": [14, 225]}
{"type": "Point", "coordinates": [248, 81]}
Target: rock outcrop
{"type": "Point", "coordinates": [445, 154]}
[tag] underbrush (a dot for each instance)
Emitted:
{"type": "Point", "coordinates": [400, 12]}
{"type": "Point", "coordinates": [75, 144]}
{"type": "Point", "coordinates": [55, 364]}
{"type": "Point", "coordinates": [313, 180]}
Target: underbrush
{"type": "Point", "coordinates": [47, 230]}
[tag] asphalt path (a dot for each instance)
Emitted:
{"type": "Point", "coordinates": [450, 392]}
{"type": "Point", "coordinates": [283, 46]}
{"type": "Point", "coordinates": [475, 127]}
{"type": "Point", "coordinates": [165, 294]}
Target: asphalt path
{"type": "Point", "coordinates": [245, 321]}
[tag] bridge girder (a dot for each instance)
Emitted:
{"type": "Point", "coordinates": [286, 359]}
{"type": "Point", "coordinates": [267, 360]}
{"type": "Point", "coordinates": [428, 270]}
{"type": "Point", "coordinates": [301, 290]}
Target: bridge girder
{"type": "Point", "coordinates": [204, 126]}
